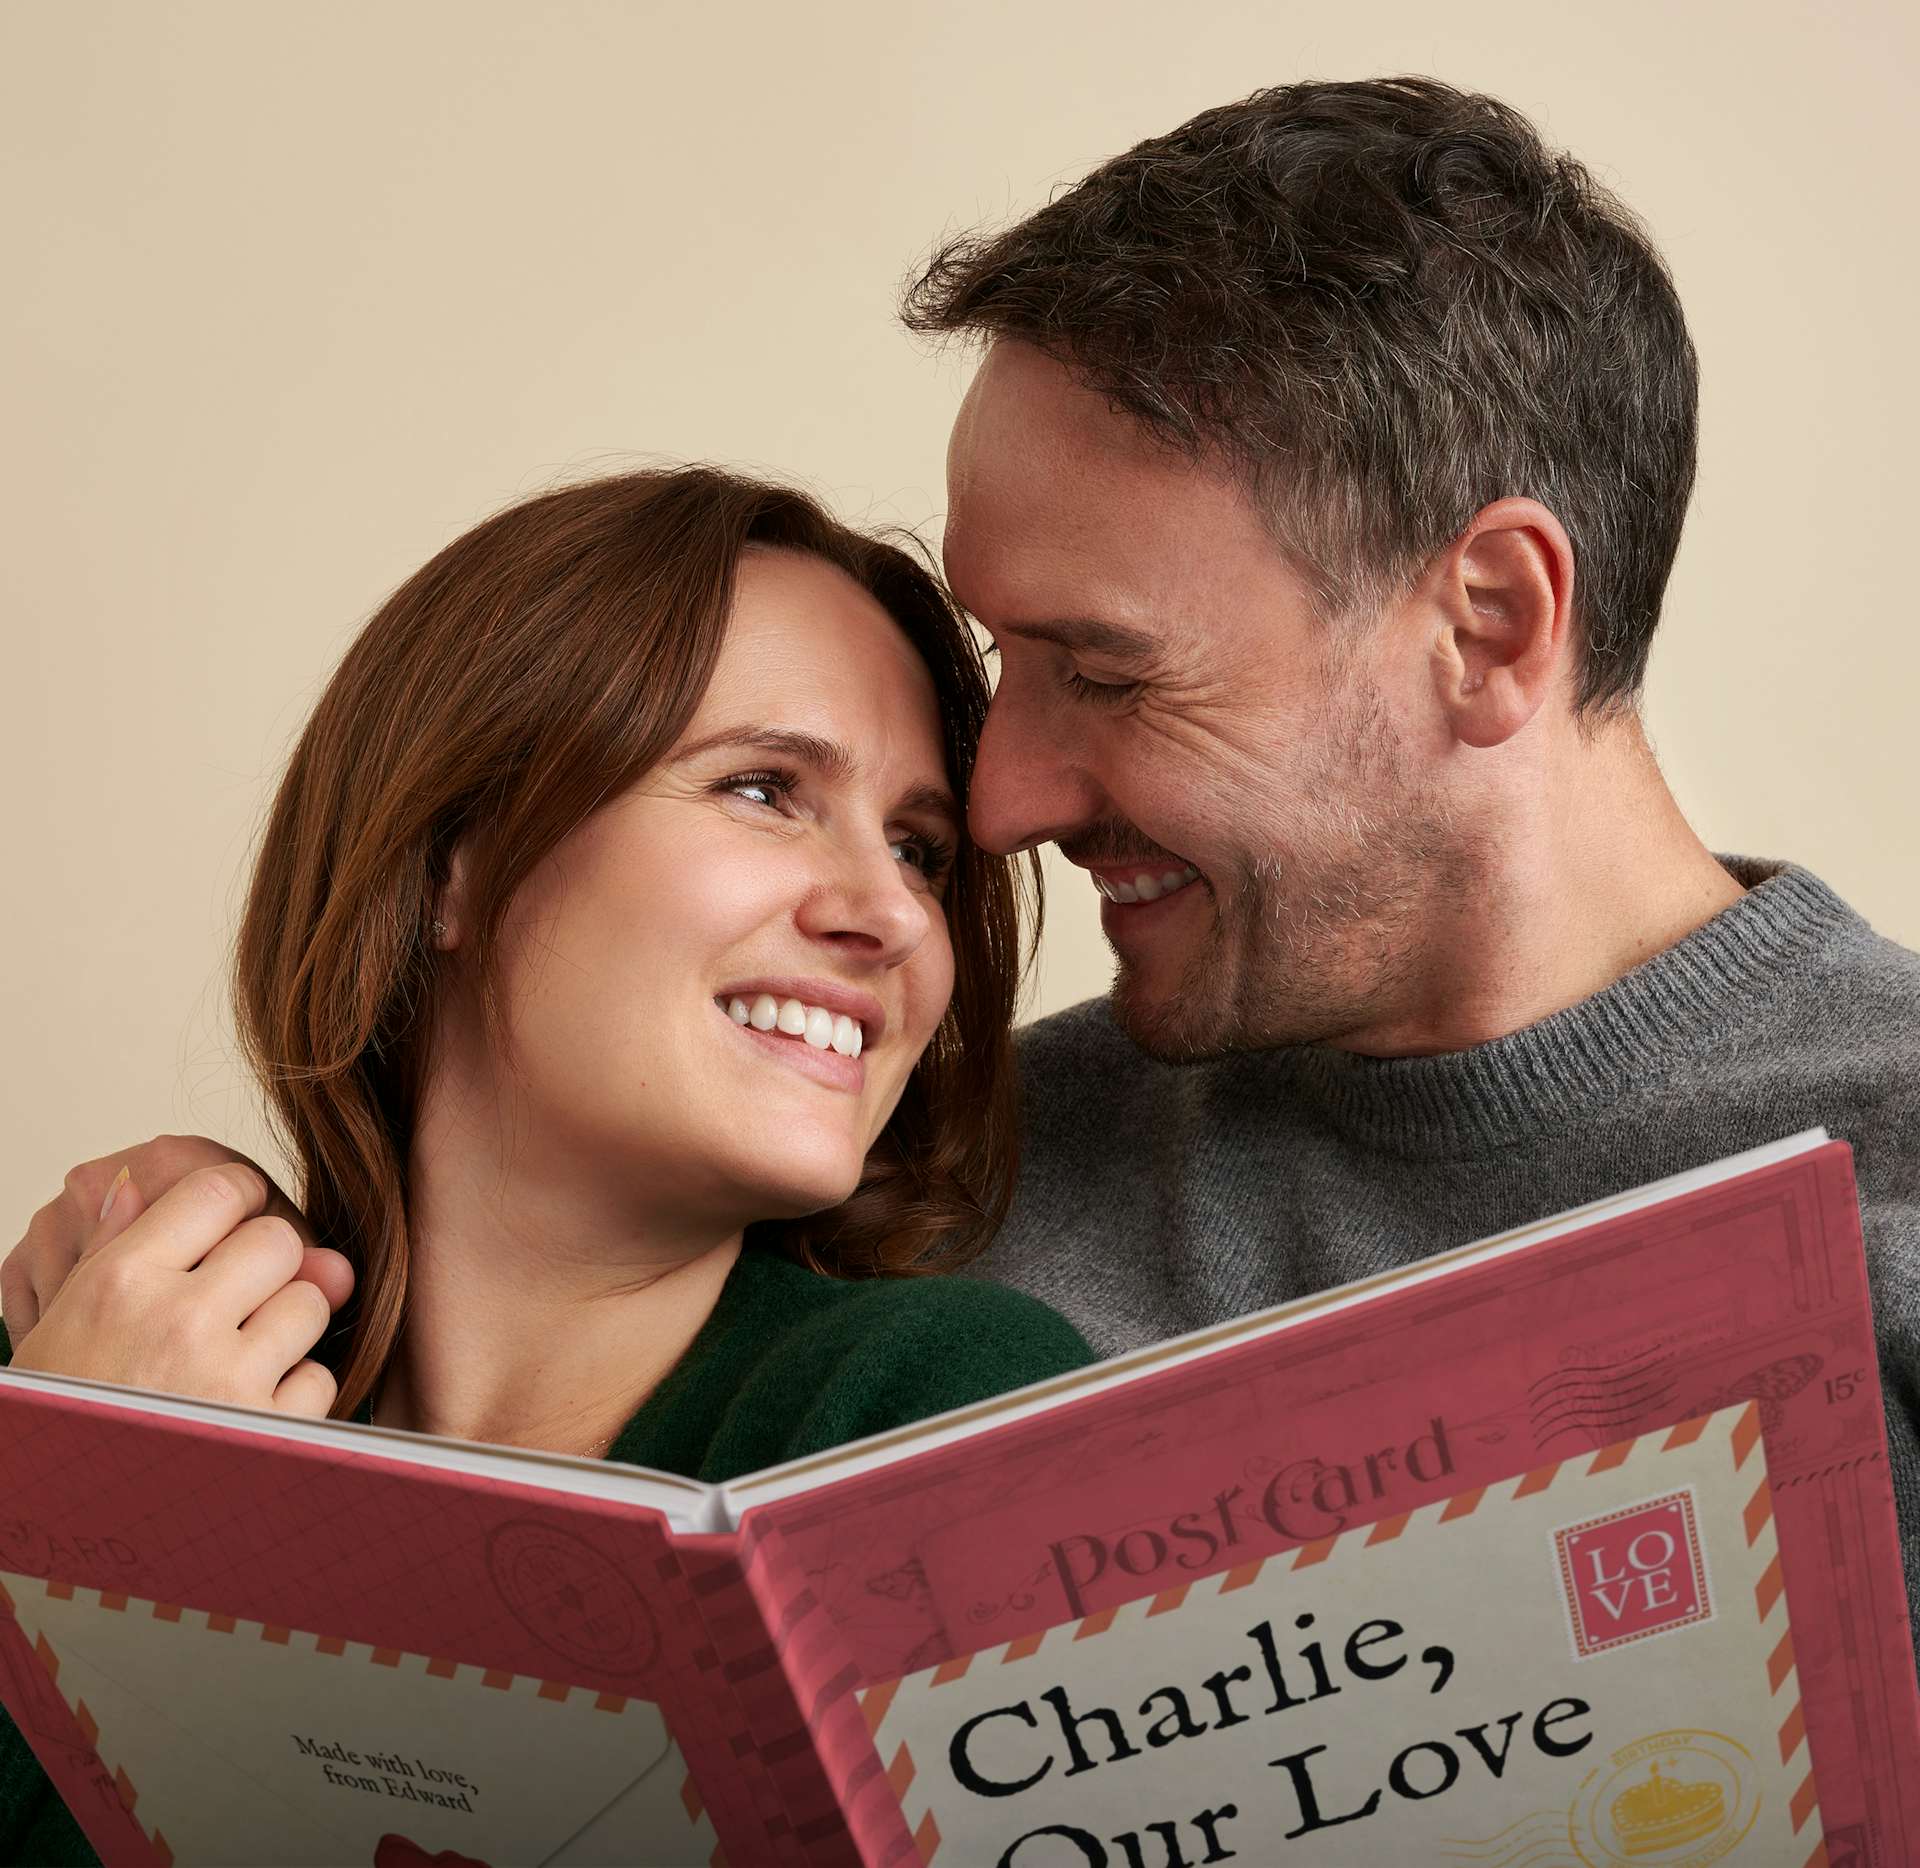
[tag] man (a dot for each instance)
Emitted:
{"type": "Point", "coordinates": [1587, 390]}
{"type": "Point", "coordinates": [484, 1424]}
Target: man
{"type": "Point", "coordinates": [1319, 488]}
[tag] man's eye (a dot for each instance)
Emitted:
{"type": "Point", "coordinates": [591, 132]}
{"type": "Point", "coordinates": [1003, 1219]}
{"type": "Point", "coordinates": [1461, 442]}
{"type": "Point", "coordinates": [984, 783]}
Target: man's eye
{"type": "Point", "coordinates": [1100, 693]}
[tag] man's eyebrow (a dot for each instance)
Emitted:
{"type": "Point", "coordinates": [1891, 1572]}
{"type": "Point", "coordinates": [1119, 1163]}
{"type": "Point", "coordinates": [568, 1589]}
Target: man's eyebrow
{"type": "Point", "coordinates": [833, 761]}
{"type": "Point", "coordinates": [1087, 633]}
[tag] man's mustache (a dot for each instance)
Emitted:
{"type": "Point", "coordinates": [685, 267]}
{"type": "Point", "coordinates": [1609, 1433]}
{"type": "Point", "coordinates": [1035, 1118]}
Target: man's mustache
{"type": "Point", "coordinates": [1113, 846]}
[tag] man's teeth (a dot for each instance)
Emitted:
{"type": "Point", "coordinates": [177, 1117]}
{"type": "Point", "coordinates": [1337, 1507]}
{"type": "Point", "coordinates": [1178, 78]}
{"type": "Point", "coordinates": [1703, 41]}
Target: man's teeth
{"type": "Point", "coordinates": [814, 1024]}
{"type": "Point", "coordinates": [1147, 886]}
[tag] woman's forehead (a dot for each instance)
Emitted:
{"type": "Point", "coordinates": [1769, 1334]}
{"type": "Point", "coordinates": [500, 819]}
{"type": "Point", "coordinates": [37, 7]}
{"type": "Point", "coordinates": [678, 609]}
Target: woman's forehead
{"type": "Point", "coordinates": [808, 649]}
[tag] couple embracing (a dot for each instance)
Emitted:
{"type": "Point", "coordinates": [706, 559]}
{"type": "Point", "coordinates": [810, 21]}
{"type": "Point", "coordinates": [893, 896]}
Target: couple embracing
{"type": "Point", "coordinates": [632, 953]}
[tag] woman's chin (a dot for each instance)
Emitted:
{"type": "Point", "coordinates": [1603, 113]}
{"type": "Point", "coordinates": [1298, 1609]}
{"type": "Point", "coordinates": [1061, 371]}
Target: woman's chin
{"type": "Point", "coordinates": [806, 1188]}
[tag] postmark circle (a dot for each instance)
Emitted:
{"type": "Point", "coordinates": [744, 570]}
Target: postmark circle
{"type": "Point", "coordinates": [570, 1598]}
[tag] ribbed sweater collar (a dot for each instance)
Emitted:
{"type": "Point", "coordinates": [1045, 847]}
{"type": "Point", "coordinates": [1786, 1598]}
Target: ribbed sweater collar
{"type": "Point", "coordinates": [1651, 1021]}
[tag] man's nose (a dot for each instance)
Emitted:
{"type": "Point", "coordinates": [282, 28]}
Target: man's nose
{"type": "Point", "coordinates": [1027, 788]}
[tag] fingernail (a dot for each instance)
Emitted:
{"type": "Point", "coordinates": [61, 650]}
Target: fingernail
{"type": "Point", "coordinates": [113, 1193]}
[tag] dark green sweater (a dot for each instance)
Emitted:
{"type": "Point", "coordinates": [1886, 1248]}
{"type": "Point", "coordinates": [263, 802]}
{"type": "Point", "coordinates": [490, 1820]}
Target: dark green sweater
{"type": "Point", "coordinates": [788, 1364]}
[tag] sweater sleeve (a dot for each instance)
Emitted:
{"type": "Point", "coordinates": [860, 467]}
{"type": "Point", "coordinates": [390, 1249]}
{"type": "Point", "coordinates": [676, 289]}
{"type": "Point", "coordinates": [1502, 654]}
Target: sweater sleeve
{"type": "Point", "coordinates": [895, 1352]}
{"type": "Point", "coordinates": [35, 1826]}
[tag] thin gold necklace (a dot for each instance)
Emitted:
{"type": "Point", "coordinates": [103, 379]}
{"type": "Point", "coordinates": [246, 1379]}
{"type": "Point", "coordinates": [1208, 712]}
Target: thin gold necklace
{"type": "Point", "coordinates": [598, 1450]}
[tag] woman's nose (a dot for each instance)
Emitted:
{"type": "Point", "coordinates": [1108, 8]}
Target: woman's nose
{"type": "Point", "coordinates": [866, 904]}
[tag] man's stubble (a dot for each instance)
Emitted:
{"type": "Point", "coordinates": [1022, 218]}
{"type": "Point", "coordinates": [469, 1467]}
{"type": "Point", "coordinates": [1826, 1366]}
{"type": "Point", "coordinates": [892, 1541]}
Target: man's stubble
{"type": "Point", "coordinates": [1318, 940]}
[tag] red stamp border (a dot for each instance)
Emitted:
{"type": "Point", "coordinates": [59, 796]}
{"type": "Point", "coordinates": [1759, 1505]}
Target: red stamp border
{"type": "Point", "coordinates": [1584, 1646]}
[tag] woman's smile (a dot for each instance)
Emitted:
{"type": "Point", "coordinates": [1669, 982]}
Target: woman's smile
{"type": "Point", "coordinates": [814, 1026]}
{"type": "Point", "coordinates": [854, 1021]}
{"type": "Point", "coordinates": [806, 1050]}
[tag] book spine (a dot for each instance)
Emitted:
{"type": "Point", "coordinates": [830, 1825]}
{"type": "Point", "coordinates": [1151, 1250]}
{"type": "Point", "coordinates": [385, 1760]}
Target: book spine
{"type": "Point", "coordinates": [798, 1735]}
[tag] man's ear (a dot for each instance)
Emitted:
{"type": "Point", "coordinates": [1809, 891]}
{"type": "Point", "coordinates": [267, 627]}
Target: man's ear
{"type": "Point", "coordinates": [1503, 596]}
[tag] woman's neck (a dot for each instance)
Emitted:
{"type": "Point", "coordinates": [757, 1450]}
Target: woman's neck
{"type": "Point", "coordinates": [534, 1316]}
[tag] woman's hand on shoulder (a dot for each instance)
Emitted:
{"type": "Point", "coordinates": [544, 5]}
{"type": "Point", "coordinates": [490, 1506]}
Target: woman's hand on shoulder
{"type": "Point", "coordinates": [69, 1226]}
{"type": "Point", "coordinates": [203, 1293]}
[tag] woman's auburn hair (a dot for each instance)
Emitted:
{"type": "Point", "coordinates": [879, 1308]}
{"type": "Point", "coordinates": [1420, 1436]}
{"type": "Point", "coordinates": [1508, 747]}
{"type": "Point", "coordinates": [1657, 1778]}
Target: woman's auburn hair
{"type": "Point", "coordinates": [528, 674]}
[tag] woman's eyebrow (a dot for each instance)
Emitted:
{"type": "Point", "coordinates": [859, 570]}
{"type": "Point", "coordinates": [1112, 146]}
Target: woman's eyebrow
{"type": "Point", "coordinates": [833, 761]}
{"type": "Point", "coordinates": [934, 800]}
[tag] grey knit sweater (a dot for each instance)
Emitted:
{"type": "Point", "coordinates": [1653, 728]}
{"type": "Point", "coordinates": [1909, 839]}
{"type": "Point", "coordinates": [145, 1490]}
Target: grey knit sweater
{"type": "Point", "coordinates": [1157, 1198]}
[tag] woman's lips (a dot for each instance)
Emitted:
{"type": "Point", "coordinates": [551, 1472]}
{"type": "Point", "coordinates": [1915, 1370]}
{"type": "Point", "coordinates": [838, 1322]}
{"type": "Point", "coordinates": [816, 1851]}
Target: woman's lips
{"type": "Point", "coordinates": [828, 1067]}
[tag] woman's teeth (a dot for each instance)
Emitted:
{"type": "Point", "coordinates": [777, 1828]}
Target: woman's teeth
{"type": "Point", "coordinates": [814, 1024]}
{"type": "Point", "coordinates": [1148, 885]}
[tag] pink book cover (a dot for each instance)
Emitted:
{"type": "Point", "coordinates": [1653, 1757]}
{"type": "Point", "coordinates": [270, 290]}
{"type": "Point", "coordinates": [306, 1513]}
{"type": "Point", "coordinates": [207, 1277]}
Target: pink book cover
{"type": "Point", "coordinates": [1575, 1550]}
{"type": "Point", "coordinates": [1640, 1466]}
{"type": "Point", "coordinates": [229, 1647]}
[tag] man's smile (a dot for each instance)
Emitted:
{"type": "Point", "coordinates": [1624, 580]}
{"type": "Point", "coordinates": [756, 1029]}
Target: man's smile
{"type": "Point", "coordinates": [1136, 884]}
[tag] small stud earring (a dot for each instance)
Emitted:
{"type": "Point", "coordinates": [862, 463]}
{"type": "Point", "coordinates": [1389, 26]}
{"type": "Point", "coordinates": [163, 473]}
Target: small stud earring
{"type": "Point", "coordinates": [439, 930]}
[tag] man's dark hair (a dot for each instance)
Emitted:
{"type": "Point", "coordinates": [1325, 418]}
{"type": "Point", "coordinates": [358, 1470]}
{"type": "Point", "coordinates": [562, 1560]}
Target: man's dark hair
{"type": "Point", "coordinates": [1385, 305]}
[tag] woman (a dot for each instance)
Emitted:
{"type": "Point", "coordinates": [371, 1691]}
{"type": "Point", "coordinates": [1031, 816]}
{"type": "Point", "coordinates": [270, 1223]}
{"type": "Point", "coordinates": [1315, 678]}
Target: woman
{"type": "Point", "coordinates": [636, 1011]}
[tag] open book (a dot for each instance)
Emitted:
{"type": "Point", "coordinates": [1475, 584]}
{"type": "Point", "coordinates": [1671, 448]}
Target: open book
{"type": "Point", "coordinates": [1574, 1546]}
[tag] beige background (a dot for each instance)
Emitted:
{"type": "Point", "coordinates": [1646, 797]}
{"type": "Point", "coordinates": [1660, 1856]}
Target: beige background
{"type": "Point", "coordinates": [295, 293]}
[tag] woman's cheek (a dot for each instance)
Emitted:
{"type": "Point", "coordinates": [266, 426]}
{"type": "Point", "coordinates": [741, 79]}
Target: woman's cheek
{"type": "Point", "coordinates": [940, 985]}
{"type": "Point", "coordinates": [929, 994]}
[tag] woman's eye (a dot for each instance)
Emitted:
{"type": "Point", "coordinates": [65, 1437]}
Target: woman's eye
{"type": "Point", "coordinates": [928, 855]}
{"type": "Point", "coordinates": [764, 788]}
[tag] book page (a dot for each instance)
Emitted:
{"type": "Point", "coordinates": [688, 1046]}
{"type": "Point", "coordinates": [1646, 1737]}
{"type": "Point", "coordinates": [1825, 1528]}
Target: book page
{"type": "Point", "coordinates": [1588, 1671]}
{"type": "Point", "coordinates": [235, 1742]}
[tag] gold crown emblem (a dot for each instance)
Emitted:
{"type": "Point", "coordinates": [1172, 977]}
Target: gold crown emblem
{"type": "Point", "coordinates": [1662, 1814]}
